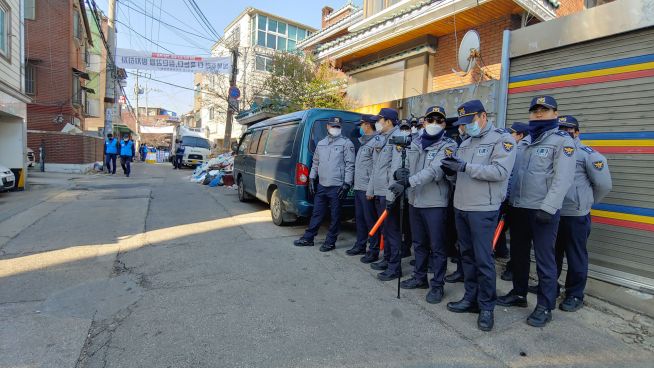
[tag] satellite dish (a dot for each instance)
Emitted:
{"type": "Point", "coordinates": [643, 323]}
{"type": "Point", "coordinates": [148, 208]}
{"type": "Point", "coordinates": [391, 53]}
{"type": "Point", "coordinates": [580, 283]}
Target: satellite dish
{"type": "Point", "coordinates": [469, 51]}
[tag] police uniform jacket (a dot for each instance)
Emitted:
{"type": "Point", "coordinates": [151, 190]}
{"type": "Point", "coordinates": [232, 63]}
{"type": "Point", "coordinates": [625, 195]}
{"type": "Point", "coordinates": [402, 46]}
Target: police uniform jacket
{"type": "Point", "coordinates": [363, 163]}
{"type": "Point", "coordinates": [384, 155]}
{"type": "Point", "coordinates": [489, 157]}
{"type": "Point", "coordinates": [544, 172]}
{"type": "Point", "coordinates": [592, 181]}
{"type": "Point", "coordinates": [429, 187]}
{"type": "Point", "coordinates": [333, 162]}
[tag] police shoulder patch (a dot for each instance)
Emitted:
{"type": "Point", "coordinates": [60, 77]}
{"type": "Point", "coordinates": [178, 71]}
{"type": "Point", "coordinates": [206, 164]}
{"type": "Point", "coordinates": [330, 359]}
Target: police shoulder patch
{"type": "Point", "coordinates": [562, 133]}
{"type": "Point", "coordinates": [508, 146]}
{"type": "Point", "coordinates": [587, 149]}
{"type": "Point", "coordinates": [448, 152]}
{"type": "Point", "coordinates": [598, 165]}
{"type": "Point", "coordinates": [398, 148]}
{"type": "Point", "coordinates": [568, 151]}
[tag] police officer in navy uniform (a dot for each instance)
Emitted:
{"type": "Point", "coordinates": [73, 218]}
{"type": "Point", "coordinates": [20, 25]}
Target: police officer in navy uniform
{"type": "Point", "coordinates": [364, 206]}
{"type": "Point", "coordinates": [333, 168]}
{"type": "Point", "coordinates": [428, 191]}
{"type": "Point", "coordinates": [544, 173]}
{"type": "Point", "coordinates": [482, 166]}
{"type": "Point", "coordinates": [127, 152]}
{"type": "Point", "coordinates": [592, 183]}
{"type": "Point", "coordinates": [384, 156]}
{"type": "Point", "coordinates": [111, 146]}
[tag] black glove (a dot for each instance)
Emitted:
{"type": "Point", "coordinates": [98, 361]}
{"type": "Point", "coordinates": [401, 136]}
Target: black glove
{"type": "Point", "coordinates": [312, 187]}
{"type": "Point", "coordinates": [396, 188]}
{"type": "Point", "coordinates": [343, 191]}
{"type": "Point", "coordinates": [544, 217]}
{"type": "Point", "coordinates": [401, 174]}
{"type": "Point", "coordinates": [447, 170]}
{"type": "Point", "coordinates": [454, 163]}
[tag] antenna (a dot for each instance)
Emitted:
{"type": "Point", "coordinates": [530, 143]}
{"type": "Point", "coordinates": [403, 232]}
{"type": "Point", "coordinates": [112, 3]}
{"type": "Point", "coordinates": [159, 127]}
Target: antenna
{"type": "Point", "coordinates": [468, 52]}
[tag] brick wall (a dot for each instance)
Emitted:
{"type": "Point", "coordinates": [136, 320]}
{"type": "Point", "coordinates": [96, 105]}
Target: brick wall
{"type": "Point", "coordinates": [490, 34]}
{"type": "Point", "coordinates": [64, 148]}
{"type": "Point", "coordinates": [331, 21]}
{"type": "Point", "coordinates": [50, 45]}
{"type": "Point", "coordinates": [569, 7]}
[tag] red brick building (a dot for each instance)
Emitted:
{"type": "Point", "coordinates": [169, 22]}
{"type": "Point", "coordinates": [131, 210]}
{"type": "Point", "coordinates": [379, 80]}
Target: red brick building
{"type": "Point", "coordinates": [397, 52]}
{"type": "Point", "coordinates": [57, 40]}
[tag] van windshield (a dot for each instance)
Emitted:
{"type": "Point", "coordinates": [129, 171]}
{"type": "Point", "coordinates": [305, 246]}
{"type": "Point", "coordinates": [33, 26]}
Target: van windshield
{"type": "Point", "coordinates": [349, 129]}
{"type": "Point", "coordinates": [191, 141]}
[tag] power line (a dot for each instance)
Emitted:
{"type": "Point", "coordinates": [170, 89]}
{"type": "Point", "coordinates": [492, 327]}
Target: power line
{"type": "Point", "coordinates": [206, 21]}
{"type": "Point", "coordinates": [199, 17]}
{"type": "Point", "coordinates": [144, 37]}
{"type": "Point", "coordinates": [172, 16]}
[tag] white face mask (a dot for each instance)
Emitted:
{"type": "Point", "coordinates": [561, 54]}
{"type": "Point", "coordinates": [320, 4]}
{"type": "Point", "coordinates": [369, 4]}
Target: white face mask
{"type": "Point", "coordinates": [404, 133]}
{"type": "Point", "coordinates": [334, 132]}
{"type": "Point", "coordinates": [379, 126]}
{"type": "Point", "coordinates": [414, 130]}
{"type": "Point", "coordinates": [433, 129]}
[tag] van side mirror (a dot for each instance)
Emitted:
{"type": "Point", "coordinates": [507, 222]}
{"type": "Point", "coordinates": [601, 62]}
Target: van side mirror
{"type": "Point", "coordinates": [234, 147]}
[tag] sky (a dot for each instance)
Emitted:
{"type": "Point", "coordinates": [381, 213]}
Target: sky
{"type": "Point", "coordinates": [219, 13]}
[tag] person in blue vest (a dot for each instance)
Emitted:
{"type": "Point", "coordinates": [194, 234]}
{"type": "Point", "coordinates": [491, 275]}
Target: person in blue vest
{"type": "Point", "coordinates": [127, 151]}
{"type": "Point", "coordinates": [111, 151]}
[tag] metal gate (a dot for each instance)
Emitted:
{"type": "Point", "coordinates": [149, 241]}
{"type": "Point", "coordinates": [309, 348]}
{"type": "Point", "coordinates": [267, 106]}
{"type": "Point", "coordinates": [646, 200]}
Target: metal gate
{"type": "Point", "coordinates": [607, 82]}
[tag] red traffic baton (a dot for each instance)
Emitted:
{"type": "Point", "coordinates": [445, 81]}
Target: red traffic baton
{"type": "Point", "coordinates": [498, 231]}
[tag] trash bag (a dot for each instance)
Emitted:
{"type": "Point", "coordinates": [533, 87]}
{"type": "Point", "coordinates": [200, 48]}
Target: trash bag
{"type": "Point", "coordinates": [207, 179]}
{"type": "Point", "coordinates": [217, 181]}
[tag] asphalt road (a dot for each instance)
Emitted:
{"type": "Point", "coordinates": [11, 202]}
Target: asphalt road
{"type": "Point", "coordinates": [155, 271]}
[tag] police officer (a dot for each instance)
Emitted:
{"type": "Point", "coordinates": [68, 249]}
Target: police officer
{"type": "Point", "coordinates": [333, 169]}
{"type": "Point", "coordinates": [382, 173]}
{"type": "Point", "coordinates": [520, 132]}
{"type": "Point", "coordinates": [111, 151]}
{"type": "Point", "coordinates": [179, 155]}
{"type": "Point", "coordinates": [482, 166]}
{"type": "Point", "coordinates": [364, 206]}
{"type": "Point", "coordinates": [428, 193]}
{"type": "Point", "coordinates": [126, 154]}
{"type": "Point", "coordinates": [544, 173]}
{"type": "Point", "coordinates": [591, 184]}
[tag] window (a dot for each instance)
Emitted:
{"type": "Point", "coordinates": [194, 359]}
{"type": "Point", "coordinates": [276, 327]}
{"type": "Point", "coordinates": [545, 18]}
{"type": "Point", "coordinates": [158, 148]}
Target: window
{"type": "Point", "coordinates": [263, 63]}
{"type": "Point", "coordinates": [77, 90]}
{"type": "Point", "coordinates": [5, 27]}
{"type": "Point", "coordinates": [277, 35]}
{"type": "Point", "coordinates": [77, 26]}
{"type": "Point", "coordinates": [255, 142]}
{"type": "Point", "coordinates": [281, 139]}
{"type": "Point", "coordinates": [245, 143]}
{"type": "Point", "coordinates": [87, 56]}
{"type": "Point", "coordinates": [29, 7]}
{"type": "Point", "coordinates": [211, 113]}
{"type": "Point", "coordinates": [262, 142]}
{"type": "Point", "coordinates": [199, 142]}
{"type": "Point", "coordinates": [30, 78]}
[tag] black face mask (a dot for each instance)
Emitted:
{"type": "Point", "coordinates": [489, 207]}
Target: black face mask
{"type": "Point", "coordinates": [538, 127]}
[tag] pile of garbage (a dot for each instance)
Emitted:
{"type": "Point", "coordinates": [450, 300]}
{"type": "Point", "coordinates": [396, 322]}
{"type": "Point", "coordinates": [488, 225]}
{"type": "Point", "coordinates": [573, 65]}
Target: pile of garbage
{"type": "Point", "coordinates": [213, 172]}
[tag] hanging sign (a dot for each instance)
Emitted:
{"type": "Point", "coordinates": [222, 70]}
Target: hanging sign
{"type": "Point", "coordinates": [133, 59]}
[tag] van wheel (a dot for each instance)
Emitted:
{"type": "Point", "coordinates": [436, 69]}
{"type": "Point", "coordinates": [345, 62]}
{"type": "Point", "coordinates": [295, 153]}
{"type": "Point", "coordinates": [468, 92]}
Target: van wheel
{"type": "Point", "coordinates": [242, 195]}
{"type": "Point", "coordinates": [277, 209]}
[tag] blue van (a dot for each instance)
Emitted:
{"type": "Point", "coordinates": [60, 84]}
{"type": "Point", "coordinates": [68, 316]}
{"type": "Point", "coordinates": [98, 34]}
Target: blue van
{"type": "Point", "coordinates": [273, 158]}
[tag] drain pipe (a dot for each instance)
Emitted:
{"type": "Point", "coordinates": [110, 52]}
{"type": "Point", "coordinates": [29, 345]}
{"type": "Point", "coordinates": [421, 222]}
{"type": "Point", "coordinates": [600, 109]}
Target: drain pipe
{"type": "Point", "coordinates": [503, 86]}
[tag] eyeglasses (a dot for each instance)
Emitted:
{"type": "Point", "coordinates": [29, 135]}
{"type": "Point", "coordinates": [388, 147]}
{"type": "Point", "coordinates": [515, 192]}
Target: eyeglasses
{"type": "Point", "coordinates": [540, 110]}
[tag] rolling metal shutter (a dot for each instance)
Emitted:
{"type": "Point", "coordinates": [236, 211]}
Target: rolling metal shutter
{"type": "Point", "coordinates": [608, 85]}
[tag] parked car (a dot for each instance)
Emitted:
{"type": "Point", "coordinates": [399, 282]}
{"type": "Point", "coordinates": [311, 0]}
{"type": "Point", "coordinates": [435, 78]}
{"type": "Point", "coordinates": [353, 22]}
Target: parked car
{"type": "Point", "coordinates": [7, 179]}
{"type": "Point", "coordinates": [30, 157]}
{"type": "Point", "coordinates": [272, 160]}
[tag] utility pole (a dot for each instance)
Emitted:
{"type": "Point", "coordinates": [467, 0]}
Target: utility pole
{"type": "Point", "coordinates": [137, 90]}
{"type": "Point", "coordinates": [111, 93]}
{"type": "Point", "coordinates": [231, 105]}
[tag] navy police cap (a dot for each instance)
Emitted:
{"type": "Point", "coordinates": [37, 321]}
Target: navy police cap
{"type": "Point", "coordinates": [568, 121]}
{"type": "Point", "coordinates": [435, 110]}
{"type": "Point", "coordinates": [468, 110]}
{"type": "Point", "coordinates": [388, 113]}
{"type": "Point", "coordinates": [519, 127]}
{"type": "Point", "coordinates": [334, 121]}
{"type": "Point", "coordinates": [546, 101]}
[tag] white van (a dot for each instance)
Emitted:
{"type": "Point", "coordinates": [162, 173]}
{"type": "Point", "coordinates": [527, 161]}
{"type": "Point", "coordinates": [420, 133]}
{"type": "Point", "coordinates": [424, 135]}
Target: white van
{"type": "Point", "coordinates": [196, 147]}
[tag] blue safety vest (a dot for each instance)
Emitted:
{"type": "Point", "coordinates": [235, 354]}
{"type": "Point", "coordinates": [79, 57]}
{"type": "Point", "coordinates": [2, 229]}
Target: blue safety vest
{"type": "Point", "coordinates": [126, 148]}
{"type": "Point", "coordinates": [110, 146]}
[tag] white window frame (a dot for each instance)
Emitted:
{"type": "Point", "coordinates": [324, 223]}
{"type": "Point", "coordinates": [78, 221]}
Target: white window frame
{"type": "Point", "coordinates": [30, 71]}
{"type": "Point", "coordinates": [6, 32]}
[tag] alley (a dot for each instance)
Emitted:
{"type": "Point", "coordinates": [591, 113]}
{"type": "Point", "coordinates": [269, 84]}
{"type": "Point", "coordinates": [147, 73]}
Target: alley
{"type": "Point", "coordinates": [155, 271]}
